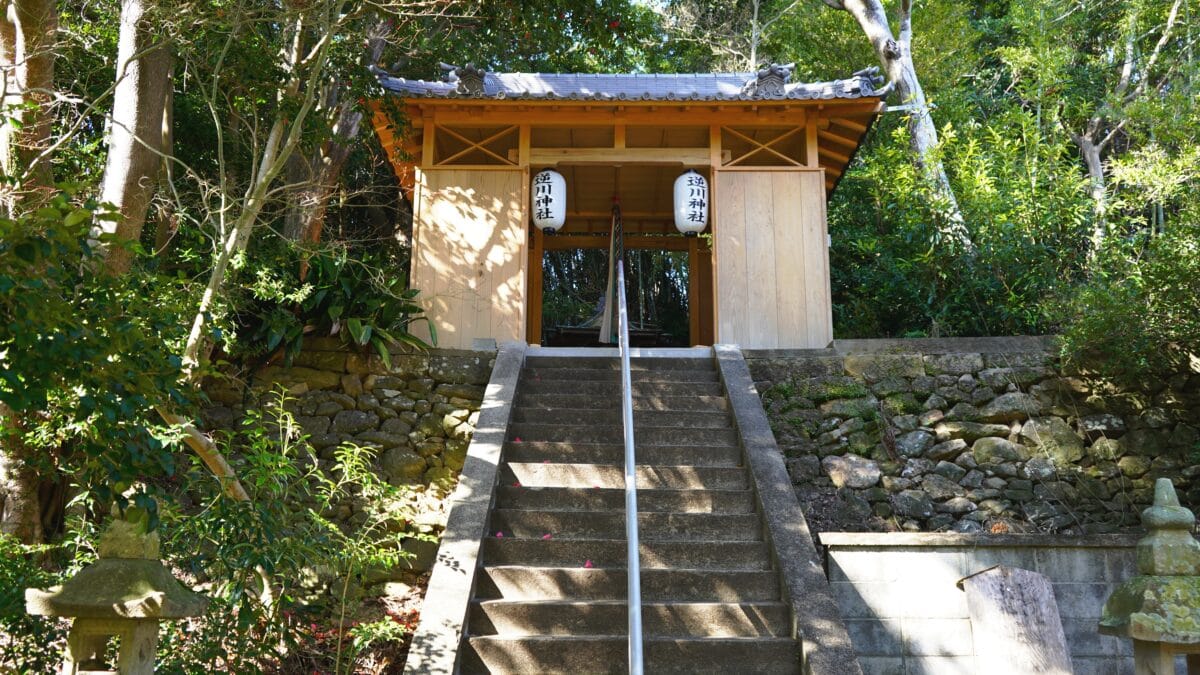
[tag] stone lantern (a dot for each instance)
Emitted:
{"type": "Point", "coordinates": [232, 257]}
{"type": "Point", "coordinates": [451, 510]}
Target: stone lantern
{"type": "Point", "coordinates": [124, 595]}
{"type": "Point", "coordinates": [1160, 607]}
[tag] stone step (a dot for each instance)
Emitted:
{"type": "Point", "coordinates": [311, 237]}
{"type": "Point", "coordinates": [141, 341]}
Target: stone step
{"type": "Point", "coordinates": [552, 474]}
{"type": "Point", "coordinates": [519, 582]}
{"type": "Point", "coordinates": [651, 402]}
{"type": "Point", "coordinates": [604, 654]}
{"type": "Point", "coordinates": [610, 617]}
{"type": "Point", "coordinates": [641, 418]}
{"type": "Point", "coordinates": [611, 553]}
{"type": "Point", "coordinates": [604, 433]}
{"type": "Point", "coordinates": [612, 389]}
{"type": "Point", "coordinates": [614, 363]}
{"type": "Point", "coordinates": [649, 500]}
{"type": "Point", "coordinates": [566, 525]}
{"type": "Point", "coordinates": [614, 453]}
{"type": "Point", "coordinates": [614, 376]}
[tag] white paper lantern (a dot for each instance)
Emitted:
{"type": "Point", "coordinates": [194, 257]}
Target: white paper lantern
{"type": "Point", "coordinates": [691, 203]}
{"type": "Point", "coordinates": [549, 201]}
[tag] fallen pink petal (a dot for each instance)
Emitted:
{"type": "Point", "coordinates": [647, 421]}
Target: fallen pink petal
{"type": "Point", "coordinates": [500, 535]}
{"type": "Point", "coordinates": [546, 536]}
{"type": "Point", "coordinates": [587, 564]}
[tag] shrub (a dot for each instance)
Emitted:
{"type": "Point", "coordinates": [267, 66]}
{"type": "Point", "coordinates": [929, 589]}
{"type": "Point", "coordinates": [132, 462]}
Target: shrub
{"type": "Point", "coordinates": [1138, 318]}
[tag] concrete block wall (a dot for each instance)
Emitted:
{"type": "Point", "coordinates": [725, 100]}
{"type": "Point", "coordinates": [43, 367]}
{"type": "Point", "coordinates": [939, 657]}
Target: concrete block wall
{"type": "Point", "coordinates": [905, 615]}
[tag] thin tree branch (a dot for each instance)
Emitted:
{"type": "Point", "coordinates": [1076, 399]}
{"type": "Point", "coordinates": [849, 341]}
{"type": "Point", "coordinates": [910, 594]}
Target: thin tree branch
{"type": "Point", "coordinates": [1172, 16]}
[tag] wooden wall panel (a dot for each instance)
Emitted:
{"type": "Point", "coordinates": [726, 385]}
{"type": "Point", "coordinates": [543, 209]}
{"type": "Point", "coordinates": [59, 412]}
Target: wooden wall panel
{"type": "Point", "coordinates": [772, 263]}
{"type": "Point", "coordinates": [469, 254]}
{"type": "Point", "coordinates": [730, 253]}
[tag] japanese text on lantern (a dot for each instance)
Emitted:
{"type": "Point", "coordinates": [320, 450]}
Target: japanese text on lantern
{"type": "Point", "coordinates": [543, 196]}
{"type": "Point", "coordinates": [697, 199]}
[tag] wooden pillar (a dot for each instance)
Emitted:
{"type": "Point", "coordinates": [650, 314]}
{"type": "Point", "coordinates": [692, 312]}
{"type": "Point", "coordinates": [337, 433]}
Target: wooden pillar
{"type": "Point", "coordinates": [427, 142]}
{"type": "Point", "coordinates": [533, 308]}
{"type": "Point", "coordinates": [708, 293]}
{"type": "Point", "coordinates": [810, 141]}
{"type": "Point", "coordinates": [694, 291]}
{"type": "Point", "coordinates": [704, 271]}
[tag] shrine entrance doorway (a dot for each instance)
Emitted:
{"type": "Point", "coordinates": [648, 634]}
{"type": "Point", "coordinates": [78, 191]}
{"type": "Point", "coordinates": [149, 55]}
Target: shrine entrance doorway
{"type": "Point", "coordinates": [669, 276]}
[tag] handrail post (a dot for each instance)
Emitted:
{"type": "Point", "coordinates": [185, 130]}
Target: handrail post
{"type": "Point", "coordinates": [631, 524]}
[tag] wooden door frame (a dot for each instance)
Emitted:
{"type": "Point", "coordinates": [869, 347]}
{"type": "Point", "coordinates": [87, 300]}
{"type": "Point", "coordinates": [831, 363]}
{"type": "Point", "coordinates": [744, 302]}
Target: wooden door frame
{"type": "Point", "coordinates": [700, 287]}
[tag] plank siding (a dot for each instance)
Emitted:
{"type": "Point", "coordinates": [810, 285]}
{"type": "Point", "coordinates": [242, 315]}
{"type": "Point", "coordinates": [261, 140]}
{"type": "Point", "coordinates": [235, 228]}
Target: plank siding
{"type": "Point", "coordinates": [469, 255]}
{"type": "Point", "coordinates": [772, 263]}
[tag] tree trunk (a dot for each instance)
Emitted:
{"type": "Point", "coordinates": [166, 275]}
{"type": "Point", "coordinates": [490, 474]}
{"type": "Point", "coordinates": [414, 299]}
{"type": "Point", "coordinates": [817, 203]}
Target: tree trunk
{"type": "Point", "coordinates": [20, 506]}
{"type": "Point", "coordinates": [896, 59]}
{"type": "Point", "coordinates": [27, 41]}
{"type": "Point", "coordinates": [315, 178]}
{"type": "Point", "coordinates": [1090, 152]}
{"type": "Point", "coordinates": [333, 156]}
{"type": "Point", "coordinates": [135, 144]}
{"type": "Point", "coordinates": [166, 218]}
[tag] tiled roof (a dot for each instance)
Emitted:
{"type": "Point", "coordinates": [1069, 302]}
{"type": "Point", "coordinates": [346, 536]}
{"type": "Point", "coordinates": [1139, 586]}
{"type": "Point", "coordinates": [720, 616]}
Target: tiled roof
{"type": "Point", "coordinates": [768, 84]}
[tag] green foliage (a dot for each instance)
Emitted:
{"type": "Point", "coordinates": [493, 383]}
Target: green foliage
{"type": "Point", "coordinates": [287, 532]}
{"type": "Point", "coordinates": [83, 357]}
{"type": "Point", "coordinates": [1140, 317]}
{"type": "Point", "coordinates": [25, 640]}
{"type": "Point", "coordinates": [1025, 203]}
{"type": "Point", "coordinates": [351, 294]}
{"type": "Point", "coordinates": [583, 36]}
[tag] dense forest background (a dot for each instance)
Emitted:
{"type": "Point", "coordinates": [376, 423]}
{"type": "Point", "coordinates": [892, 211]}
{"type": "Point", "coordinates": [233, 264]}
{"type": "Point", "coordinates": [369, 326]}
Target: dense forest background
{"type": "Point", "coordinates": [188, 189]}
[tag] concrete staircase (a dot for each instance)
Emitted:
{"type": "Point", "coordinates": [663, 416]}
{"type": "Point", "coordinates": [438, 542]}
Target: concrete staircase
{"type": "Point", "coordinates": [549, 594]}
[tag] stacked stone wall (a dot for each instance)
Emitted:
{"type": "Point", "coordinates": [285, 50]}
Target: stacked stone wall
{"type": "Point", "coordinates": [973, 435]}
{"type": "Point", "coordinates": [418, 413]}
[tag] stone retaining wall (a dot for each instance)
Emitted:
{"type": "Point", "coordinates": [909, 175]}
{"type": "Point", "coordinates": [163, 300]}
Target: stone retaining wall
{"type": "Point", "coordinates": [419, 413]}
{"type": "Point", "coordinates": [905, 614]}
{"type": "Point", "coordinates": [973, 434]}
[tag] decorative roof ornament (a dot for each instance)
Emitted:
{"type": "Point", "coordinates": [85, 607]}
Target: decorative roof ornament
{"type": "Point", "coordinates": [871, 82]}
{"type": "Point", "coordinates": [770, 82]}
{"type": "Point", "coordinates": [468, 79]}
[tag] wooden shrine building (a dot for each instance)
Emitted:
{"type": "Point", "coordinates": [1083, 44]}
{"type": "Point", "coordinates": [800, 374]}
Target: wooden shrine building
{"type": "Point", "coordinates": [772, 152]}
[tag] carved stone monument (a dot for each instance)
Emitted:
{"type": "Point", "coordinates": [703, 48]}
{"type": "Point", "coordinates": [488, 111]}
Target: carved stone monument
{"type": "Point", "coordinates": [124, 595]}
{"type": "Point", "coordinates": [1160, 608]}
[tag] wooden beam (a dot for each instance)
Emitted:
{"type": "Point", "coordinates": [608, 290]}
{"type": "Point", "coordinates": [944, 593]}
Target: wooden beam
{"type": "Point", "coordinates": [798, 168]}
{"type": "Point", "coordinates": [853, 107]}
{"type": "Point", "coordinates": [837, 139]}
{"type": "Point", "coordinates": [642, 117]}
{"type": "Point", "coordinates": [826, 152]}
{"type": "Point", "coordinates": [617, 156]}
{"type": "Point", "coordinates": [480, 146]}
{"type": "Point", "coordinates": [626, 215]}
{"type": "Point", "coordinates": [764, 146]}
{"type": "Point", "coordinates": [849, 124]}
{"type": "Point", "coordinates": [560, 242]}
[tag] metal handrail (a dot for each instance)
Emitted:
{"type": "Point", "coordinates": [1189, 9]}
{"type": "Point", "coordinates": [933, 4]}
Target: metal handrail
{"type": "Point", "coordinates": [631, 525]}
